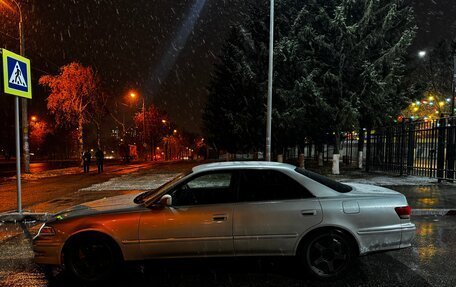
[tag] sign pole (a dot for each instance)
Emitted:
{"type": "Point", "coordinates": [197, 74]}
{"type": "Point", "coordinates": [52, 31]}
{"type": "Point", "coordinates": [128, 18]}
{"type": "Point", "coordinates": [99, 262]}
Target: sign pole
{"type": "Point", "coordinates": [17, 82]}
{"type": "Point", "coordinates": [18, 155]}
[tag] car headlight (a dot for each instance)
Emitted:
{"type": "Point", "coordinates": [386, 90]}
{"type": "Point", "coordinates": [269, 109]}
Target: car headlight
{"type": "Point", "coordinates": [45, 231]}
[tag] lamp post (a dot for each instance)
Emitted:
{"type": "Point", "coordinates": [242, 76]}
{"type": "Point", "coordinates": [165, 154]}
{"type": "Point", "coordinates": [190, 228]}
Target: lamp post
{"type": "Point", "coordinates": [270, 78]}
{"type": "Point", "coordinates": [24, 119]}
{"type": "Point", "coordinates": [133, 96]}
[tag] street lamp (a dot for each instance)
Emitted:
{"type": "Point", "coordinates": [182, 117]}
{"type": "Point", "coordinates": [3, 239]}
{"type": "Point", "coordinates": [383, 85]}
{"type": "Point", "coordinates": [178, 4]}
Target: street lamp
{"type": "Point", "coordinates": [422, 54]}
{"type": "Point", "coordinates": [25, 124]}
{"type": "Point", "coordinates": [133, 95]}
{"type": "Point", "coordinates": [271, 67]}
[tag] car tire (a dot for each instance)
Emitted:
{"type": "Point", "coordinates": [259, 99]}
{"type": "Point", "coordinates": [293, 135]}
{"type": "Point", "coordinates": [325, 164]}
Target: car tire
{"type": "Point", "coordinates": [92, 259]}
{"type": "Point", "coordinates": [327, 255]}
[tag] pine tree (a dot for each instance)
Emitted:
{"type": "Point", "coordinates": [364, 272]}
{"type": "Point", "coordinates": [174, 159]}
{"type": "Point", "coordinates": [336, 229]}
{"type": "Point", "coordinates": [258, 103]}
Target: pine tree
{"type": "Point", "coordinates": [234, 113]}
{"type": "Point", "coordinates": [338, 64]}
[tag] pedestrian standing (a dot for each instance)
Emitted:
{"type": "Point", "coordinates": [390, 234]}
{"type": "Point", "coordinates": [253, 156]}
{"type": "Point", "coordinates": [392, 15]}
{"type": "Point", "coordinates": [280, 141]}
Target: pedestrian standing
{"type": "Point", "coordinates": [86, 157]}
{"type": "Point", "coordinates": [100, 158]}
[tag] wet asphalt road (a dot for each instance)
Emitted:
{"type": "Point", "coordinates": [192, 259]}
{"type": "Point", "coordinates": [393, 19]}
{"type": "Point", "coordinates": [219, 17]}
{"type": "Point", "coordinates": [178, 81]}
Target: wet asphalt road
{"type": "Point", "coordinates": [430, 262]}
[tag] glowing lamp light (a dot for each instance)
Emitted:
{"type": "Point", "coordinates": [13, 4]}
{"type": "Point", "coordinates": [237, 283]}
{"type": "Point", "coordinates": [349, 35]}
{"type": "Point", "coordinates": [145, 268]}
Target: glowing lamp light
{"type": "Point", "coordinates": [34, 118]}
{"type": "Point", "coordinates": [132, 95]}
{"type": "Point", "coordinates": [422, 54]}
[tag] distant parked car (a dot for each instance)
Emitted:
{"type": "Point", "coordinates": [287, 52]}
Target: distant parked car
{"type": "Point", "coordinates": [230, 209]}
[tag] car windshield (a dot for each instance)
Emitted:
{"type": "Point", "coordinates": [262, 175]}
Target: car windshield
{"type": "Point", "coordinates": [337, 186]}
{"type": "Point", "coordinates": [148, 195]}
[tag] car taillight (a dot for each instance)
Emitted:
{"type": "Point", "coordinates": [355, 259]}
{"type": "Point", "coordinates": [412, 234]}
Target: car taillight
{"type": "Point", "coordinates": [404, 212]}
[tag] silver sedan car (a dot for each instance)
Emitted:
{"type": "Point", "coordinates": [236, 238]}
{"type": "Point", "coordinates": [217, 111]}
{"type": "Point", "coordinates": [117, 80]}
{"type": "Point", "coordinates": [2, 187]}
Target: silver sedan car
{"type": "Point", "coordinates": [230, 209]}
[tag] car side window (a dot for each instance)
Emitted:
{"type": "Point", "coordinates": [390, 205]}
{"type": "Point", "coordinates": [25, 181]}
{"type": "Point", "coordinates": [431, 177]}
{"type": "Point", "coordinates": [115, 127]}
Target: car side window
{"type": "Point", "coordinates": [211, 188]}
{"type": "Point", "coordinates": [264, 185]}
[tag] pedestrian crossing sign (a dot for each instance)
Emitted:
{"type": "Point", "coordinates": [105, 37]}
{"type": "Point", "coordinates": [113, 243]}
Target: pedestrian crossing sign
{"type": "Point", "coordinates": [16, 75]}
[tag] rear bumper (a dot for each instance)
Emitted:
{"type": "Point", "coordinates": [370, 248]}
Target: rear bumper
{"type": "Point", "coordinates": [386, 238]}
{"type": "Point", "coordinates": [408, 233]}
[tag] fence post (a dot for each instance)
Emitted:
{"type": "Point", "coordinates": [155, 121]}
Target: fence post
{"type": "Point", "coordinates": [411, 148]}
{"type": "Point", "coordinates": [441, 149]}
{"type": "Point", "coordinates": [368, 149]}
{"type": "Point", "coordinates": [402, 148]}
{"type": "Point", "coordinates": [451, 148]}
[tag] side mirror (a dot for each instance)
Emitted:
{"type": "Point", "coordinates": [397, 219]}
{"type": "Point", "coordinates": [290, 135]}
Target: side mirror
{"type": "Point", "coordinates": [166, 200]}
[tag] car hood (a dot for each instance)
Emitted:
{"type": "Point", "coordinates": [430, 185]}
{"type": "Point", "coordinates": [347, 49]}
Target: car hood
{"type": "Point", "coordinates": [369, 190]}
{"type": "Point", "coordinates": [121, 203]}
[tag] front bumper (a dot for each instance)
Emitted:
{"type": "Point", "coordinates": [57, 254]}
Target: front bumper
{"type": "Point", "coordinates": [47, 251]}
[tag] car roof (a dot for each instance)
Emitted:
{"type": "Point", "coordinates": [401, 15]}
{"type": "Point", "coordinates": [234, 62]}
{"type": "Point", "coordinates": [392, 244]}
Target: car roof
{"type": "Point", "coordinates": [242, 165]}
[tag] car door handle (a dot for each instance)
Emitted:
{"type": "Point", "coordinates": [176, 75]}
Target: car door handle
{"type": "Point", "coordinates": [219, 217]}
{"type": "Point", "coordinates": [309, 212]}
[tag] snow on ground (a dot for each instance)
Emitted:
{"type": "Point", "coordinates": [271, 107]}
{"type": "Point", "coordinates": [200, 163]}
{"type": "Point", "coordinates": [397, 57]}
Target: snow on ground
{"type": "Point", "coordinates": [75, 170]}
{"type": "Point", "coordinates": [133, 182]}
{"type": "Point", "coordinates": [393, 180]}
{"type": "Point", "coordinates": [48, 173]}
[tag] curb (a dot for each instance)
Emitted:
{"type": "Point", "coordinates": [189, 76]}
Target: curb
{"type": "Point", "coordinates": [14, 217]}
{"type": "Point", "coordinates": [434, 212]}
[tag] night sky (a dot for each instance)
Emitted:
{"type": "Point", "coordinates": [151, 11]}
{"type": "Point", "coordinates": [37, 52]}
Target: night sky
{"type": "Point", "coordinates": [164, 49]}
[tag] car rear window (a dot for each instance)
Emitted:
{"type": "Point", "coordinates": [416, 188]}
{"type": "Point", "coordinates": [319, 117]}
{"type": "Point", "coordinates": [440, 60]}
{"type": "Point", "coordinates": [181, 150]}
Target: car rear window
{"type": "Point", "coordinates": [337, 186]}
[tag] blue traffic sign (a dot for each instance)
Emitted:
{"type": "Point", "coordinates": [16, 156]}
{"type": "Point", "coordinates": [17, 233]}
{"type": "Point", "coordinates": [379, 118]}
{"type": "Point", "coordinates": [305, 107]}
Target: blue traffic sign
{"type": "Point", "coordinates": [16, 74]}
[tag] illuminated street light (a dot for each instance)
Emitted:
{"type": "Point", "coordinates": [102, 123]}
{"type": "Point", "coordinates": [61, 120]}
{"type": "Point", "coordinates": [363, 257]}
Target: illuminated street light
{"type": "Point", "coordinates": [34, 118]}
{"type": "Point", "coordinates": [133, 95]}
{"type": "Point", "coordinates": [422, 54]}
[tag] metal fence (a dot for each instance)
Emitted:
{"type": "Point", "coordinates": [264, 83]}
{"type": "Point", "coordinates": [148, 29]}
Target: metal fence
{"type": "Point", "coordinates": [424, 148]}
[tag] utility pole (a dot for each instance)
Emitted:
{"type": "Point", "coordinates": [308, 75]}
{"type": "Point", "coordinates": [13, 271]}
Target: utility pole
{"type": "Point", "coordinates": [270, 78]}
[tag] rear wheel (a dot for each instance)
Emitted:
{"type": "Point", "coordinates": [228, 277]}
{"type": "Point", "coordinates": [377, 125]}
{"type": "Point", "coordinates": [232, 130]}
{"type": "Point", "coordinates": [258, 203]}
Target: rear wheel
{"type": "Point", "coordinates": [92, 258]}
{"type": "Point", "coordinates": [328, 255]}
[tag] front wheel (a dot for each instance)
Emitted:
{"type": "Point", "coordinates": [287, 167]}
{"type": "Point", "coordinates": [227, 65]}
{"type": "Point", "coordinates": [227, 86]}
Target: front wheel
{"type": "Point", "coordinates": [328, 255]}
{"type": "Point", "coordinates": [91, 259]}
